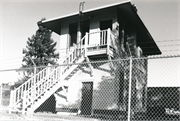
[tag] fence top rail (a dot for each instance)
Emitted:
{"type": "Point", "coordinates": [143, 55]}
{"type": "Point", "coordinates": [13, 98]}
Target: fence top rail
{"type": "Point", "coordinates": [149, 57]}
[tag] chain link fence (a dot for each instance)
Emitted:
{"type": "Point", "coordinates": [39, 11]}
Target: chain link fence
{"type": "Point", "coordinates": [107, 89]}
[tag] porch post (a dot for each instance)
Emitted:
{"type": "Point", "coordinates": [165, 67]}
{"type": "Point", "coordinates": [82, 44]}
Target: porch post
{"type": "Point", "coordinates": [81, 7]}
{"type": "Point", "coordinates": [108, 40]}
{"type": "Point", "coordinates": [85, 44]}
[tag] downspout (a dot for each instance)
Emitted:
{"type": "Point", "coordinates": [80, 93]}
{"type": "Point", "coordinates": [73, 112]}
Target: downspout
{"type": "Point", "coordinates": [81, 7]}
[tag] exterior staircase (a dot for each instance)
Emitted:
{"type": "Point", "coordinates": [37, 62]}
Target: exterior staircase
{"type": "Point", "coordinates": [30, 95]}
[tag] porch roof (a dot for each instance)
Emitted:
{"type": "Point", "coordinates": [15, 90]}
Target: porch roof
{"type": "Point", "coordinates": [146, 42]}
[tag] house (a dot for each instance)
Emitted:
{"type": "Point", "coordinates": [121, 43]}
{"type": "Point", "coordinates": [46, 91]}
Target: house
{"type": "Point", "coordinates": [81, 83]}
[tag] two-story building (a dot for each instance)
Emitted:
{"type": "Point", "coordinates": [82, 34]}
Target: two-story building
{"type": "Point", "coordinates": [105, 33]}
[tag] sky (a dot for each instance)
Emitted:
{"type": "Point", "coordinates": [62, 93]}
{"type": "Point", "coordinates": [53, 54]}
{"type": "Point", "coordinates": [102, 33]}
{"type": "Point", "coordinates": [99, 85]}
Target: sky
{"type": "Point", "coordinates": [18, 21]}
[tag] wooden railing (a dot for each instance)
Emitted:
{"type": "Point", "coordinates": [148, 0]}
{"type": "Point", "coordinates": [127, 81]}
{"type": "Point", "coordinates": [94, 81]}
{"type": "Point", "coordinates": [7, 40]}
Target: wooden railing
{"type": "Point", "coordinates": [41, 85]}
{"type": "Point", "coordinates": [18, 93]}
{"type": "Point", "coordinates": [99, 40]}
{"type": "Point", "coordinates": [77, 52]}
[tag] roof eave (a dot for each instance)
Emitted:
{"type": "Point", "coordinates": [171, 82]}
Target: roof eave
{"type": "Point", "coordinates": [55, 25]}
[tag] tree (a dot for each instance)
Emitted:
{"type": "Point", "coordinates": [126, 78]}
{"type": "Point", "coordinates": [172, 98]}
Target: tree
{"type": "Point", "coordinates": [40, 49]}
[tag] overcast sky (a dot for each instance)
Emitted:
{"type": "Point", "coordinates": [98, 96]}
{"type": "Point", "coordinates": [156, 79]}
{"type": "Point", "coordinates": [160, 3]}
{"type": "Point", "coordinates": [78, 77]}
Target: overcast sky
{"type": "Point", "coordinates": [18, 21]}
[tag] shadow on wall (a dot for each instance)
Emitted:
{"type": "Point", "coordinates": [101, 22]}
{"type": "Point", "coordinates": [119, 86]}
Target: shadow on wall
{"type": "Point", "coordinates": [103, 97]}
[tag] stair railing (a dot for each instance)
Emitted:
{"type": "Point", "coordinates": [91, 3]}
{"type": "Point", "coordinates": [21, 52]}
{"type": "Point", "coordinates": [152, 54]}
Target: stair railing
{"type": "Point", "coordinates": [73, 56]}
{"type": "Point", "coordinates": [53, 75]}
{"type": "Point", "coordinates": [42, 85]}
{"type": "Point", "coordinates": [18, 92]}
{"type": "Point", "coordinates": [103, 37]}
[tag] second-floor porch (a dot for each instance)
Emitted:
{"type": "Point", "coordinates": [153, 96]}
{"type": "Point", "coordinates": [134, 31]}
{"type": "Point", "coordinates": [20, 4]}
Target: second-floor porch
{"type": "Point", "coordinates": [96, 44]}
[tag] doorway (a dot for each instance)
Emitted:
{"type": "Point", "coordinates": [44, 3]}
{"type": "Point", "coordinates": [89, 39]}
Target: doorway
{"type": "Point", "coordinates": [86, 103]}
{"type": "Point", "coordinates": [73, 33]}
{"type": "Point", "coordinates": [105, 24]}
{"type": "Point", "coordinates": [84, 28]}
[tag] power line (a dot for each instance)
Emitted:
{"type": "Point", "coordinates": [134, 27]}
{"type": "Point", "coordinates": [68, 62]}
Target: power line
{"type": "Point", "coordinates": [175, 40]}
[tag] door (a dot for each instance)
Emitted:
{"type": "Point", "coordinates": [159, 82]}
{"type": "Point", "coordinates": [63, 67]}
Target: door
{"type": "Point", "coordinates": [86, 103]}
{"type": "Point", "coordinates": [104, 25]}
{"type": "Point", "coordinates": [73, 33]}
{"type": "Point", "coordinates": [85, 28]}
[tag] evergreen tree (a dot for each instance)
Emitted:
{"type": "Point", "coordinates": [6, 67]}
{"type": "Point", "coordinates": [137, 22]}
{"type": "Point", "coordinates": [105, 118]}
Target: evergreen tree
{"type": "Point", "coordinates": [40, 49]}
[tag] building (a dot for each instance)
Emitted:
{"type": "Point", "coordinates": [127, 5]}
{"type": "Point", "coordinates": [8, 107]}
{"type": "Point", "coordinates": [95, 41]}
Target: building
{"type": "Point", "coordinates": [94, 34]}
{"type": "Point", "coordinates": [106, 33]}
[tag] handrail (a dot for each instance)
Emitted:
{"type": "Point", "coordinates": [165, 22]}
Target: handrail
{"type": "Point", "coordinates": [73, 55]}
{"type": "Point", "coordinates": [42, 85]}
{"type": "Point", "coordinates": [103, 35]}
{"type": "Point", "coordinates": [18, 92]}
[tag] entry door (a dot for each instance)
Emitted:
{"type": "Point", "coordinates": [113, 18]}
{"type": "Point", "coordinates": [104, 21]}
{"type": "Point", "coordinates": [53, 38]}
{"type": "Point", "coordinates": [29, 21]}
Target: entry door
{"type": "Point", "coordinates": [86, 103]}
{"type": "Point", "coordinates": [73, 33]}
{"type": "Point", "coordinates": [104, 25]}
{"type": "Point", "coordinates": [85, 28]}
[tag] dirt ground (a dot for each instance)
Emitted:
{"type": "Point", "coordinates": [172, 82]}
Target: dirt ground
{"type": "Point", "coordinates": [41, 116]}
{"type": "Point", "coordinates": [45, 116]}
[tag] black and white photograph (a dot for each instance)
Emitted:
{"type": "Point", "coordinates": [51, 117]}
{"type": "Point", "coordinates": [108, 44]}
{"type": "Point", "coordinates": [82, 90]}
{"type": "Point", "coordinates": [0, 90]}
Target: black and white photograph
{"type": "Point", "coordinates": [91, 60]}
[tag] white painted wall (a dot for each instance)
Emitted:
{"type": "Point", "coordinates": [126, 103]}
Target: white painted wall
{"type": "Point", "coordinates": [63, 39]}
{"type": "Point", "coordinates": [103, 91]}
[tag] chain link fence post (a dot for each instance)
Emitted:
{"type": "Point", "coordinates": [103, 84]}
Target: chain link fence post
{"type": "Point", "coordinates": [129, 93]}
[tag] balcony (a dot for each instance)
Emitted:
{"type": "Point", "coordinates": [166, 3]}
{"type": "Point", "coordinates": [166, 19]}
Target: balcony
{"type": "Point", "coordinates": [98, 43]}
{"type": "Point", "coordinates": [92, 45]}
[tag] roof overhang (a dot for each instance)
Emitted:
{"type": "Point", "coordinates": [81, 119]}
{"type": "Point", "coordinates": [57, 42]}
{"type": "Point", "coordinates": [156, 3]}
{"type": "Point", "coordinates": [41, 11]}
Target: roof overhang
{"type": "Point", "coordinates": [146, 42]}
